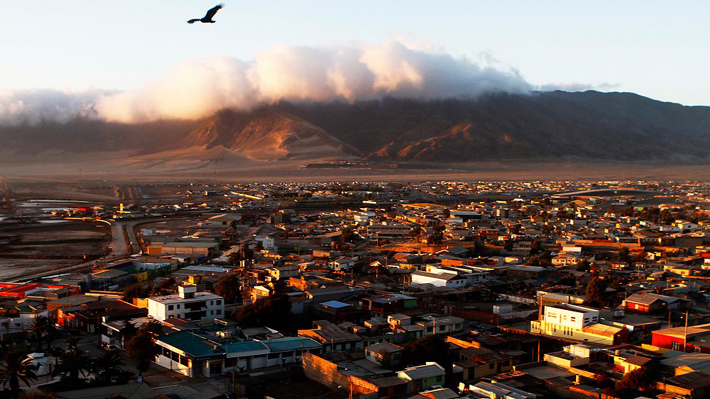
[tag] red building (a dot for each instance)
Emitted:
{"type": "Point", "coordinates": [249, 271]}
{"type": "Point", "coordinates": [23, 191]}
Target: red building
{"type": "Point", "coordinates": [684, 339]}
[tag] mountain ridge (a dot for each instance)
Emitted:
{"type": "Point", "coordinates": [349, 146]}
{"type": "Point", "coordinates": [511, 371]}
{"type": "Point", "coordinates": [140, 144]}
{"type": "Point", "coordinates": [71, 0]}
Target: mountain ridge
{"type": "Point", "coordinates": [549, 126]}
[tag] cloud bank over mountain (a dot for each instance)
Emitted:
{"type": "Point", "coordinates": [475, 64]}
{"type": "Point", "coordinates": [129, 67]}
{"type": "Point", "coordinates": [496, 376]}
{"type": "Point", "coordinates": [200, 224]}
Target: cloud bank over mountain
{"type": "Point", "coordinates": [197, 88]}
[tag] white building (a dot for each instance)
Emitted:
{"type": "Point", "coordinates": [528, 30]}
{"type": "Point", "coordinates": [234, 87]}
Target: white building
{"type": "Point", "coordinates": [571, 315]}
{"type": "Point", "coordinates": [441, 325]}
{"type": "Point", "coordinates": [187, 304]}
{"type": "Point", "coordinates": [267, 242]}
{"type": "Point", "coordinates": [448, 280]}
{"type": "Point", "coordinates": [576, 323]}
{"type": "Point", "coordinates": [342, 264]}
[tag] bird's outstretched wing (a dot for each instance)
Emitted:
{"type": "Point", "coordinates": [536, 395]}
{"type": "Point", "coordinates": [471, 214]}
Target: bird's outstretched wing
{"type": "Point", "coordinates": [212, 11]}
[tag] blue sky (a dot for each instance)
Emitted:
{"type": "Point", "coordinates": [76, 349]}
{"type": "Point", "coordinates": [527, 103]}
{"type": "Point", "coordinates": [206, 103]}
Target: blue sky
{"type": "Point", "coordinates": [655, 48]}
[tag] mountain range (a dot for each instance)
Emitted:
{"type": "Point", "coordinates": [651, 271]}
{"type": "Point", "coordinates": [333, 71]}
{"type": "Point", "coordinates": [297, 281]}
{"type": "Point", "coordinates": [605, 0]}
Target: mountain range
{"type": "Point", "coordinates": [548, 126]}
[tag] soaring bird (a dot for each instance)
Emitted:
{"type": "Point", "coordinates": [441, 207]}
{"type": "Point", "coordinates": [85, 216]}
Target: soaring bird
{"type": "Point", "coordinates": [207, 19]}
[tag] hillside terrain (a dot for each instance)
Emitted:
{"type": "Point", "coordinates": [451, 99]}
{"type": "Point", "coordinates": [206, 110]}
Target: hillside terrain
{"type": "Point", "coordinates": [541, 127]}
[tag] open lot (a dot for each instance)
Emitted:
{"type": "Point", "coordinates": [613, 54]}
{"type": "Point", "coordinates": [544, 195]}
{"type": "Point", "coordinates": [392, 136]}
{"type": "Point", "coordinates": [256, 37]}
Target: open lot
{"type": "Point", "coordinates": [34, 247]}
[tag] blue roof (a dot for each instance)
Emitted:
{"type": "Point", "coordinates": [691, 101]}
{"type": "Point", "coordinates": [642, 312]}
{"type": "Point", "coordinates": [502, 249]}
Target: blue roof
{"type": "Point", "coordinates": [192, 344]}
{"type": "Point", "coordinates": [245, 346]}
{"type": "Point", "coordinates": [335, 304]}
{"type": "Point", "coordinates": [292, 343]}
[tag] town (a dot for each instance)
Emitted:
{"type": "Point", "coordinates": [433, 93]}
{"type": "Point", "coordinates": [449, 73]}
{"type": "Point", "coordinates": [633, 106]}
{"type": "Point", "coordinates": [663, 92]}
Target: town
{"type": "Point", "coordinates": [425, 289]}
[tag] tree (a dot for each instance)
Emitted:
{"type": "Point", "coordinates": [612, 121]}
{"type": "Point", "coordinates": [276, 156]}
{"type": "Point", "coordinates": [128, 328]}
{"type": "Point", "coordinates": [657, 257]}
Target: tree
{"type": "Point", "coordinates": [143, 349]}
{"type": "Point", "coordinates": [154, 327]}
{"type": "Point", "coordinates": [137, 290]}
{"type": "Point", "coordinates": [633, 382]}
{"type": "Point", "coordinates": [568, 281]}
{"type": "Point", "coordinates": [583, 265]}
{"type": "Point", "coordinates": [128, 331]}
{"type": "Point", "coordinates": [70, 364]}
{"type": "Point", "coordinates": [107, 366]}
{"type": "Point", "coordinates": [228, 287]}
{"type": "Point", "coordinates": [595, 292]}
{"type": "Point", "coordinates": [234, 258]}
{"type": "Point", "coordinates": [429, 348]}
{"type": "Point", "coordinates": [624, 254]}
{"type": "Point", "coordinates": [14, 368]}
{"type": "Point", "coordinates": [272, 311]}
{"type": "Point", "coordinates": [40, 328]}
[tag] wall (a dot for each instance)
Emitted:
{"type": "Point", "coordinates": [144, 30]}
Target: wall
{"type": "Point", "coordinates": [322, 371]}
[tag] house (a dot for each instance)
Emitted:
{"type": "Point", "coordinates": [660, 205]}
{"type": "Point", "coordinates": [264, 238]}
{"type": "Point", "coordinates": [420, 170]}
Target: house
{"type": "Point", "coordinates": [495, 389]}
{"type": "Point", "coordinates": [693, 385]}
{"type": "Point", "coordinates": [342, 264]}
{"type": "Point", "coordinates": [195, 355]}
{"type": "Point", "coordinates": [354, 374]}
{"type": "Point", "coordinates": [222, 221]}
{"type": "Point", "coordinates": [577, 323]}
{"type": "Point", "coordinates": [482, 362]}
{"type": "Point", "coordinates": [652, 303]}
{"type": "Point", "coordinates": [423, 377]}
{"type": "Point", "coordinates": [385, 354]}
{"type": "Point", "coordinates": [187, 304]}
{"type": "Point", "coordinates": [684, 339]}
{"type": "Point", "coordinates": [332, 337]}
{"type": "Point", "coordinates": [441, 325]}
{"type": "Point", "coordinates": [570, 356]}
{"type": "Point", "coordinates": [448, 280]}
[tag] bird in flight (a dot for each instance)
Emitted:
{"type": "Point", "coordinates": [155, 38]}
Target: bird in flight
{"type": "Point", "coordinates": [207, 19]}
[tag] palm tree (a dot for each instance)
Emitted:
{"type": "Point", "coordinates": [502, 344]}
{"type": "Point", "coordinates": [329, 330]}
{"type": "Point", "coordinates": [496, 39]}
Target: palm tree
{"type": "Point", "coordinates": [107, 366]}
{"type": "Point", "coordinates": [70, 364]}
{"type": "Point", "coordinates": [73, 342]}
{"type": "Point", "coordinates": [40, 328]}
{"type": "Point", "coordinates": [15, 368]}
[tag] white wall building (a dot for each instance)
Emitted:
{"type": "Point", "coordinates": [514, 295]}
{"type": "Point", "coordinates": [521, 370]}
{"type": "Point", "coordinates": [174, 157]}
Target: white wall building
{"type": "Point", "coordinates": [571, 315]}
{"type": "Point", "coordinates": [187, 304]}
{"type": "Point", "coordinates": [448, 280]}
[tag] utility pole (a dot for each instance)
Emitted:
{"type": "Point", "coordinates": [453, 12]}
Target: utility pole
{"type": "Point", "coordinates": [685, 333]}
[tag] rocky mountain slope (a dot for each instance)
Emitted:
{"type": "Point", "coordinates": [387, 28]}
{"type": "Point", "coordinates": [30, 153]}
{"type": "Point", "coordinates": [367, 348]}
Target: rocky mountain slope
{"type": "Point", "coordinates": [551, 126]}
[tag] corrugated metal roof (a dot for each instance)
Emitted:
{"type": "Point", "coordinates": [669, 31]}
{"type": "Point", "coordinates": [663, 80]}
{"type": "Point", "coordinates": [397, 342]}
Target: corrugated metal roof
{"type": "Point", "coordinates": [292, 343]}
{"type": "Point", "coordinates": [192, 344]}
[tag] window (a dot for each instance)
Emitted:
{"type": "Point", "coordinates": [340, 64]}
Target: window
{"type": "Point", "coordinates": [219, 312]}
{"type": "Point", "coordinates": [171, 307]}
{"type": "Point", "coordinates": [219, 302]}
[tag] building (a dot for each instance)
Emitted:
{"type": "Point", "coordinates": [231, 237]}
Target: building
{"type": "Point", "coordinates": [441, 325]}
{"type": "Point", "coordinates": [385, 354]}
{"type": "Point", "coordinates": [684, 339]}
{"type": "Point", "coordinates": [577, 323]}
{"type": "Point", "coordinates": [424, 377]}
{"type": "Point", "coordinates": [481, 362]}
{"type": "Point", "coordinates": [195, 355]}
{"type": "Point", "coordinates": [448, 280]}
{"type": "Point", "coordinates": [187, 304]}
{"type": "Point", "coordinates": [652, 303]}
